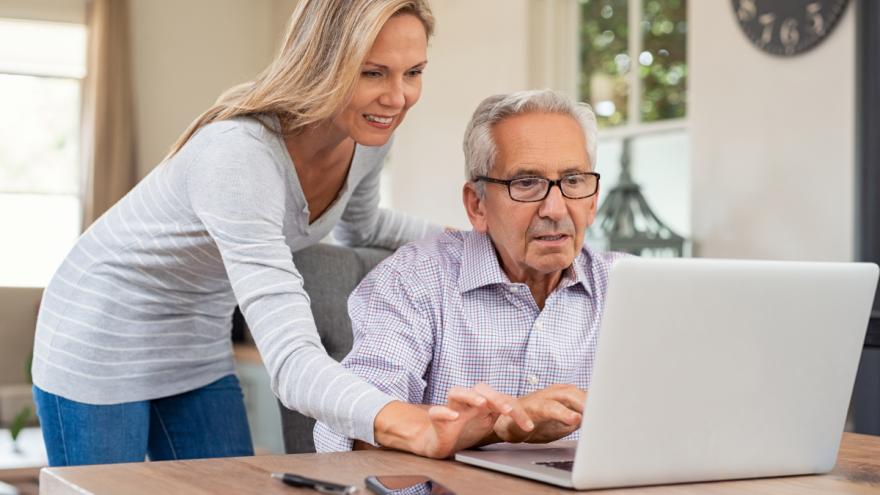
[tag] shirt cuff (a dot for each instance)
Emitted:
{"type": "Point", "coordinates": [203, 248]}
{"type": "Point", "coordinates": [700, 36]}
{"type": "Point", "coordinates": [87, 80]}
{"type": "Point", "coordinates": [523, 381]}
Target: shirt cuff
{"type": "Point", "coordinates": [365, 415]}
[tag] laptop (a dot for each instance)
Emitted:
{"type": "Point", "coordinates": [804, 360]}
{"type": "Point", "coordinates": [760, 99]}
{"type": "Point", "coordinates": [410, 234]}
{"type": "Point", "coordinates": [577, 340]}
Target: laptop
{"type": "Point", "coordinates": [711, 370]}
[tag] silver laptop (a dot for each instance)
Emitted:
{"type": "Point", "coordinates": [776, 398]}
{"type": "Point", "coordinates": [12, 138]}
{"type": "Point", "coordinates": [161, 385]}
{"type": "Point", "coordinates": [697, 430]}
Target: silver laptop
{"type": "Point", "coordinates": [710, 370]}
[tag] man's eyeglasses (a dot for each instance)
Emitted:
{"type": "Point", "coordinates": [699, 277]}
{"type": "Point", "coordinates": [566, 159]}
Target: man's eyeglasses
{"type": "Point", "coordinates": [530, 189]}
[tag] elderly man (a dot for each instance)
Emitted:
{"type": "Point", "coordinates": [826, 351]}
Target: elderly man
{"type": "Point", "coordinates": [515, 303]}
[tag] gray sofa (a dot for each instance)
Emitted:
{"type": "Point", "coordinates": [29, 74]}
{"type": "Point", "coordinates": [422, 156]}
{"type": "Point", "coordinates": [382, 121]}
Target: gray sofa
{"type": "Point", "coordinates": [330, 274]}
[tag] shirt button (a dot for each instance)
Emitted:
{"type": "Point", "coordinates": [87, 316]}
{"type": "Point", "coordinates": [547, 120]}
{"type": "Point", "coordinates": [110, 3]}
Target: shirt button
{"type": "Point", "coordinates": [513, 289]}
{"type": "Point", "coordinates": [532, 379]}
{"type": "Point", "coordinates": [538, 326]}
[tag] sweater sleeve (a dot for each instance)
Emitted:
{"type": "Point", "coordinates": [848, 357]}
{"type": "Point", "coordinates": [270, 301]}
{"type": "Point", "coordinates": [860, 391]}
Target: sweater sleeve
{"type": "Point", "coordinates": [363, 223]}
{"type": "Point", "coordinates": [237, 191]}
{"type": "Point", "coordinates": [393, 337]}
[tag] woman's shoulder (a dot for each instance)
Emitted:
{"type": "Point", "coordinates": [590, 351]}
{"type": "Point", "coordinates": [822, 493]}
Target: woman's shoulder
{"type": "Point", "coordinates": [248, 128]}
{"type": "Point", "coordinates": [237, 140]}
{"type": "Point", "coordinates": [240, 147]}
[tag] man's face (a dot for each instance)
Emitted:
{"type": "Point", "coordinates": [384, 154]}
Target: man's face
{"type": "Point", "coordinates": [538, 239]}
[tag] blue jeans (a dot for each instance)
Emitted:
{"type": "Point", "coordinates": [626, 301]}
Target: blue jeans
{"type": "Point", "coordinates": [206, 422]}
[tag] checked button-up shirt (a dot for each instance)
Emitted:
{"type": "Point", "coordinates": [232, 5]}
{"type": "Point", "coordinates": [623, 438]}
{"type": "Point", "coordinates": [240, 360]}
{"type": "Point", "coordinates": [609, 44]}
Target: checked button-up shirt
{"type": "Point", "coordinates": [441, 313]}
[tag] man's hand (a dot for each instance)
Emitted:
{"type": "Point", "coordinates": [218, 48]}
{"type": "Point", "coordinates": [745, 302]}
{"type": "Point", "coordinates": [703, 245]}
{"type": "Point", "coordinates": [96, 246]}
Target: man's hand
{"type": "Point", "coordinates": [556, 411]}
{"type": "Point", "coordinates": [468, 417]}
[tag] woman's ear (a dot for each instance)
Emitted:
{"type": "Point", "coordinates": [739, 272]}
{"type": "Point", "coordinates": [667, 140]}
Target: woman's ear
{"type": "Point", "coordinates": [475, 206]}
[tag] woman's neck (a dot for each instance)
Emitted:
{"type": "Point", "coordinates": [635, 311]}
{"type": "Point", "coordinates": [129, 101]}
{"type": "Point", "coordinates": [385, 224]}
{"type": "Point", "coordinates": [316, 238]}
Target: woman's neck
{"type": "Point", "coordinates": [319, 146]}
{"type": "Point", "coordinates": [321, 158]}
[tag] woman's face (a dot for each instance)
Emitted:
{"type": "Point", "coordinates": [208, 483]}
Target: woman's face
{"type": "Point", "coordinates": [390, 82]}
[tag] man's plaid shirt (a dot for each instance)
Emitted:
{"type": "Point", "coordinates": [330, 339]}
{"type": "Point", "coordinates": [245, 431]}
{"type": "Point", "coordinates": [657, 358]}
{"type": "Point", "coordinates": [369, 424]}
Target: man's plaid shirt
{"type": "Point", "coordinates": [441, 313]}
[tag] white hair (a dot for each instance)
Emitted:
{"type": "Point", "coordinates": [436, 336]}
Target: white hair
{"type": "Point", "coordinates": [480, 150]}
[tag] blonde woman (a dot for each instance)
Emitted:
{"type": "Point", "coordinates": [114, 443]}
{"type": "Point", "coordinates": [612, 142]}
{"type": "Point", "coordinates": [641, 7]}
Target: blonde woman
{"type": "Point", "coordinates": [132, 352]}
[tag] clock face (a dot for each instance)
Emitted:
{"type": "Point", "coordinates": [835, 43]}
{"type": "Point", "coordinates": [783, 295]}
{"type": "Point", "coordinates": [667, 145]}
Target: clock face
{"type": "Point", "coordinates": [787, 27]}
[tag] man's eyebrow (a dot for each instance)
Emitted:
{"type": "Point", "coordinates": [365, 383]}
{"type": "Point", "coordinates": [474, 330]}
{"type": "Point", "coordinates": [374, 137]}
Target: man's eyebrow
{"type": "Point", "coordinates": [575, 169]}
{"type": "Point", "coordinates": [525, 171]}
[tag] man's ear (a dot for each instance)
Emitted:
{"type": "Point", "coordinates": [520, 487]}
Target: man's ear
{"type": "Point", "coordinates": [475, 207]}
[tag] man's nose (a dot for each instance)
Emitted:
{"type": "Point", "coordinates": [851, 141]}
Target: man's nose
{"type": "Point", "coordinates": [553, 206]}
{"type": "Point", "coordinates": [394, 95]}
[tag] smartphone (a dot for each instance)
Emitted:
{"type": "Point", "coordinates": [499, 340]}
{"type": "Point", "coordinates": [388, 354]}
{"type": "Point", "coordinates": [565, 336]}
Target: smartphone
{"type": "Point", "coordinates": [405, 485]}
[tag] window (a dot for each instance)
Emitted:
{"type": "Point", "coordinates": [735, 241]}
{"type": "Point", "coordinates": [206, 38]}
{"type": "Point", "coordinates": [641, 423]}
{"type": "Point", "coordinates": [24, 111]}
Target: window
{"type": "Point", "coordinates": [41, 68]}
{"type": "Point", "coordinates": [633, 70]}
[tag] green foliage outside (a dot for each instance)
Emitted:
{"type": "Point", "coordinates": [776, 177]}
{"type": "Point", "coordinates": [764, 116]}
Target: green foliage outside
{"type": "Point", "coordinates": [664, 82]}
{"type": "Point", "coordinates": [605, 60]}
{"type": "Point", "coordinates": [604, 57]}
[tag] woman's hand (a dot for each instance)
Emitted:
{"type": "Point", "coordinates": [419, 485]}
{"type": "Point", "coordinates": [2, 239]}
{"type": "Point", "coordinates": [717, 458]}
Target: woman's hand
{"type": "Point", "coordinates": [440, 431]}
{"type": "Point", "coordinates": [556, 410]}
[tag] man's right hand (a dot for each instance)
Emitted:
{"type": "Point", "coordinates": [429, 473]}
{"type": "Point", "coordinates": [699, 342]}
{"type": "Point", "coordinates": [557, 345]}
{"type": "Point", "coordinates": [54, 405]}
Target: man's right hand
{"type": "Point", "coordinates": [556, 410]}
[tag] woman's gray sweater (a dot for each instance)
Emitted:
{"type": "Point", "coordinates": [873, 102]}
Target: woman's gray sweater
{"type": "Point", "coordinates": [141, 307]}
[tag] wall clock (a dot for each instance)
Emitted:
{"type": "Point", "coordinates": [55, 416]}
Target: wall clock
{"type": "Point", "coordinates": [787, 27]}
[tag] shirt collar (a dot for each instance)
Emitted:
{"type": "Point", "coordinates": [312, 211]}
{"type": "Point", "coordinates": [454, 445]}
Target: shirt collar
{"type": "Point", "coordinates": [480, 266]}
{"type": "Point", "coordinates": [479, 263]}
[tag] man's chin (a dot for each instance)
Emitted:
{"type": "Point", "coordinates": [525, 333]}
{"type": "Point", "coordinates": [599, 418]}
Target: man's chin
{"type": "Point", "coordinates": [560, 250]}
{"type": "Point", "coordinates": [550, 262]}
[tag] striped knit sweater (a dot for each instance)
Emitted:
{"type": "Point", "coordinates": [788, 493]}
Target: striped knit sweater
{"type": "Point", "coordinates": [141, 307]}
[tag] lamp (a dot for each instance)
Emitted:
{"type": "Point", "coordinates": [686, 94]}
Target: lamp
{"type": "Point", "coordinates": [626, 223]}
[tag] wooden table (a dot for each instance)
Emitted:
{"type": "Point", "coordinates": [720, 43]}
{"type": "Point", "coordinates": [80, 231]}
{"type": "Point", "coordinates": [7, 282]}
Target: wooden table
{"type": "Point", "coordinates": [857, 471]}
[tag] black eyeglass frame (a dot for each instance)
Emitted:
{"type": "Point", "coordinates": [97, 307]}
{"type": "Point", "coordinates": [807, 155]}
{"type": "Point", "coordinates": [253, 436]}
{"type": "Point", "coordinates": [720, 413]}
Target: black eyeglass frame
{"type": "Point", "coordinates": [550, 184]}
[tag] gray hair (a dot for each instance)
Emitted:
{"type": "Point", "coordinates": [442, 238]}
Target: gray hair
{"type": "Point", "coordinates": [480, 150]}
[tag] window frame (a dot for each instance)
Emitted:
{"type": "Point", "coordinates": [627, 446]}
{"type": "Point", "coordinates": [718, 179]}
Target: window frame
{"type": "Point", "coordinates": [60, 74]}
{"type": "Point", "coordinates": [634, 126]}
{"type": "Point", "coordinates": [46, 73]}
{"type": "Point", "coordinates": [78, 191]}
{"type": "Point", "coordinates": [554, 62]}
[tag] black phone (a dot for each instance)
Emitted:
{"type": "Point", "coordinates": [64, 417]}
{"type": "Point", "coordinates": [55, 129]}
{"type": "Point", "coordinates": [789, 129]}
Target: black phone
{"type": "Point", "coordinates": [405, 485]}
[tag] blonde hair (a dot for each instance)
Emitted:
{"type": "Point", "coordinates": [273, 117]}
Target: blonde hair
{"type": "Point", "coordinates": [315, 73]}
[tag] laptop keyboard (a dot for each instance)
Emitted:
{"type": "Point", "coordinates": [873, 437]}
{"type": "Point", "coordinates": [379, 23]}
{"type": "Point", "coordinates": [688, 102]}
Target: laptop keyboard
{"type": "Point", "coordinates": [563, 465]}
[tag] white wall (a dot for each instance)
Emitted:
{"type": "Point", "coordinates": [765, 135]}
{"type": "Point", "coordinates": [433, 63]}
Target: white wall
{"type": "Point", "coordinates": [764, 129]}
{"type": "Point", "coordinates": [44, 10]}
{"type": "Point", "coordinates": [772, 142]}
{"type": "Point", "coordinates": [184, 54]}
{"type": "Point", "coordinates": [18, 305]}
{"type": "Point", "coordinates": [280, 15]}
{"type": "Point", "coordinates": [479, 49]}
